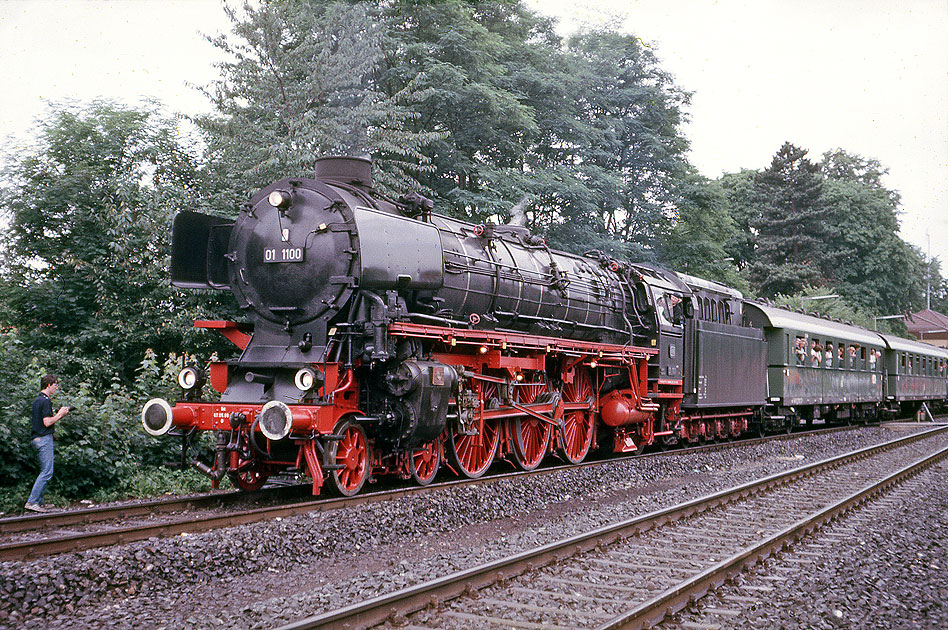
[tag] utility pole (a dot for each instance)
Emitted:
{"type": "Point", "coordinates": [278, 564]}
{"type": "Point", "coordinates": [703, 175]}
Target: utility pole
{"type": "Point", "coordinates": [928, 274]}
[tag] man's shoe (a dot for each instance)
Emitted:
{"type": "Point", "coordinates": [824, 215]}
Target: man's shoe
{"type": "Point", "coordinates": [36, 507]}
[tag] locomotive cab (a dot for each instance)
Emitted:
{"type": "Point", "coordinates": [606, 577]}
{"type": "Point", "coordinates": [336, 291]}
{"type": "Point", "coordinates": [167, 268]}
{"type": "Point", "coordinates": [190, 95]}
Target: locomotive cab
{"type": "Point", "coordinates": [670, 305]}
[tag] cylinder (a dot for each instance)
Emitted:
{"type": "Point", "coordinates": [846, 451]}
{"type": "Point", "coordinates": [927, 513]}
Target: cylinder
{"type": "Point", "coordinates": [618, 409]}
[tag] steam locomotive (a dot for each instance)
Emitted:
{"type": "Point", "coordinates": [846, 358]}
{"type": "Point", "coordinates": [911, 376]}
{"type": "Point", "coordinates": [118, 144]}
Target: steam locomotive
{"type": "Point", "coordinates": [382, 338]}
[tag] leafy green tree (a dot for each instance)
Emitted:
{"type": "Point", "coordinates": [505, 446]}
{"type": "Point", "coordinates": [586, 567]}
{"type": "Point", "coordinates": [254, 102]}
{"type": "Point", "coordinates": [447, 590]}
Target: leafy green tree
{"type": "Point", "coordinates": [871, 265]}
{"type": "Point", "coordinates": [696, 242]}
{"type": "Point", "coordinates": [301, 82]}
{"type": "Point", "coordinates": [791, 233]}
{"type": "Point", "coordinates": [484, 72]}
{"type": "Point", "coordinates": [739, 189]}
{"type": "Point", "coordinates": [84, 278]}
{"type": "Point", "coordinates": [835, 308]}
{"type": "Point", "coordinates": [629, 134]}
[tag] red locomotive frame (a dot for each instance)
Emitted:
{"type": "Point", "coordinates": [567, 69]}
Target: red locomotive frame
{"type": "Point", "coordinates": [532, 396]}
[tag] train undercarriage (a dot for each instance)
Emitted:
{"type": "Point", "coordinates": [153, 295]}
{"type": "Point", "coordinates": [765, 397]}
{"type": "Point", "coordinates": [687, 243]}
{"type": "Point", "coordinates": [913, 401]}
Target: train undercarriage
{"type": "Point", "coordinates": [513, 397]}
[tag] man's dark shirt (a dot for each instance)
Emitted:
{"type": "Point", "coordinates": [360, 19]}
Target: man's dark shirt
{"type": "Point", "coordinates": [42, 408]}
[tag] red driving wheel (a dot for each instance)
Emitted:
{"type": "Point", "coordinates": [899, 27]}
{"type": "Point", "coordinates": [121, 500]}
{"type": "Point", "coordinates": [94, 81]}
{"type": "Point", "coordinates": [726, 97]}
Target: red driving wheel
{"type": "Point", "coordinates": [472, 455]}
{"type": "Point", "coordinates": [531, 436]}
{"type": "Point", "coordinates": [578, 426]}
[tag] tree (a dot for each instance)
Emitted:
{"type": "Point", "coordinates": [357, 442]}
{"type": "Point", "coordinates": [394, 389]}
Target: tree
{"type": "Point", "coordinates": [695, 244]}
{"type": "Point", "coordinates": [629, 136]}
{"type": "Point", "coordinates": [791, 234]}
{"type": "Point", "coordinates": [84, 279]}
{"type": "Point", "coordinates": [303, 82]}
{"type": "Point", "coordinates": [739, 190]}
{"type": "Point", "coordinates": [872, 266]}
{"type": "Point", "coordinates": [484, 72]}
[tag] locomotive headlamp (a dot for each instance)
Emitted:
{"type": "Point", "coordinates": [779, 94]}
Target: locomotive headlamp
{"type": "Point", "coordinates": [306, 379]}
{"type": "Point", "coordinates": [279, 199]}
{"type": "Point", "coordinates": [191, 377]}
{"type": "Point", "coordinates": [156, 416]}
{"type": "Point", "coordinates": [275, 420]}
{"type": "Point", "coordinates": [483, 349]}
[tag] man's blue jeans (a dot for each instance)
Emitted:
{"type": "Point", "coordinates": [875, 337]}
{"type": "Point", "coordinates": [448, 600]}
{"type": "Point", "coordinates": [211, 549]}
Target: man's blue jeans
{"type": "Point", "coordinates": [44, 446]}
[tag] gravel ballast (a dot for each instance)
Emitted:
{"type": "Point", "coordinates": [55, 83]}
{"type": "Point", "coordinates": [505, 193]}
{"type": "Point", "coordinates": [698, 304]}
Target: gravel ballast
{"type": "Point", "coordinates": [263, 574]}
{"type": "Point", "coordinates": [884, 566]}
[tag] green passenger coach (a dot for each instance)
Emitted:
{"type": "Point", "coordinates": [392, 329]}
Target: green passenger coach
{"type": "Point", "coordinates": [915, 372]}
{"type": "Point", "coordinates": [819, 368]}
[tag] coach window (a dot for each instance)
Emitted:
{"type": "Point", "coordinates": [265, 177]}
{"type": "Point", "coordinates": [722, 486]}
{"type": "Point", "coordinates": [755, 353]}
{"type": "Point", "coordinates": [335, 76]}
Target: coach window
{"type": "Point", "coordinates": [799, 349]}
{"type": "Point", "coordinates": [862, 355]}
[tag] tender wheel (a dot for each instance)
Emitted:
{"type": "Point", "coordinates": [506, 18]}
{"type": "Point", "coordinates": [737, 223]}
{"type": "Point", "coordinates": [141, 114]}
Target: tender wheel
{"type": "Point", "coordinates": [472, 455]}
{"type": "Point", "coordinates": [351, 453]}
{"type": "Point", "coordinates": [424, 462]}
{"type": "Point", "coordinates": [531, 436]}
{"type": "Point", "coordinates": [577, 434]}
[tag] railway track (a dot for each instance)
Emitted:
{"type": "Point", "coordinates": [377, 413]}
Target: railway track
{"type": "Point", "coordinates": [31, 536]}
{"type": "Point", "coordinates": [635, 573]}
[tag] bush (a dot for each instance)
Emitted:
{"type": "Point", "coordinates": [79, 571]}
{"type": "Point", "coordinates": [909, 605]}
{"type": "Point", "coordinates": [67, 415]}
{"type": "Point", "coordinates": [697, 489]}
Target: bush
{"type": "Point", "coordinates": [102, 452]}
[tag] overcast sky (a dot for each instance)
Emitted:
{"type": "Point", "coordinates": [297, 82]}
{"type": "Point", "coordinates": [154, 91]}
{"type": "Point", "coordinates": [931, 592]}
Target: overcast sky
{"type": "Point", "coordinates": [867, 76]}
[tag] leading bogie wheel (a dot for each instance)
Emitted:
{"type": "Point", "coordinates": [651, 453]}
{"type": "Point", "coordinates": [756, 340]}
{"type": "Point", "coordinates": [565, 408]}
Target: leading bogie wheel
{"type": "Point", "coordinates": [248, 480]}
{"type": "Point", "coordinates": [351, 455]}
{"type": "Point", "coordinates": [576, 436]}
{"type": "Point", "coordinates": [245, 476]}
{"type": "Point", "coordinates": [423, 462]}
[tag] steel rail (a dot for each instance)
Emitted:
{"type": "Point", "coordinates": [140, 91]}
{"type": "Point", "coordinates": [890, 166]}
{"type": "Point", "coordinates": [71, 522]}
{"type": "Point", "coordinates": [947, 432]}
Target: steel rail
{"type": "Point", "coordinates": [395, 606]}
{"type": "Point", "coordinates": [33, 548]}
{"type": "Point", "coordinates": [86, 516]}
{"type": "Point", "coordinates": [147, 507]}
{"type": "Point", "coordinates": [652, 612]}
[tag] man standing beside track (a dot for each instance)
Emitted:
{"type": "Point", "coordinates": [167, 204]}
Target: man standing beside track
{"type": "Point", "coordinates": [41, 437]}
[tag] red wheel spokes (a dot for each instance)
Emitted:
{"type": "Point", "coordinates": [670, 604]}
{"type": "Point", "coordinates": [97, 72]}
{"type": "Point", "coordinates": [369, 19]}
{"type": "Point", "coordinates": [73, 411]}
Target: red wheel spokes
{"type": "Point", "coordinates": [531, 435]}
{"type": "Point", "coordinates": [352, 454]}
{"type": "Point", "coordinates": [426, 461]}
{"type": "Point", "coordinates": [475, 452]}
{"type": "Point", "coordinates": [577, 432]}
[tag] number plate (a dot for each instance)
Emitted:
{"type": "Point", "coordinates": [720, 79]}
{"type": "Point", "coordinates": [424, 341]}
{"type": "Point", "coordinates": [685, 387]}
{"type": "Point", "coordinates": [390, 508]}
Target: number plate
{"type": "Point", "coordinates": [283, 254]}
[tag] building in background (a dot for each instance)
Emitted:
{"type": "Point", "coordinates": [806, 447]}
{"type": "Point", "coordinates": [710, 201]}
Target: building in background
{"type": "Point", "coordinates": [929, 326]}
